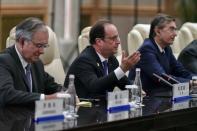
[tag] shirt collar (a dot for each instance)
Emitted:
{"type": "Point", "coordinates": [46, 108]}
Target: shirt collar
{"type": "Point", "coordinates": [101, 57]}
{"type": "Point", "coordinates": [23, 62]}
{"type": "Point", "coordinates": [160, 49]}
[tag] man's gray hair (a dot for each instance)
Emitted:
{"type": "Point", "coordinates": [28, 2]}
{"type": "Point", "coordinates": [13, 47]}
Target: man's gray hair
{"type": "Point", "coordinates": [28, 27]}
{"type": "Point", "coordinates": [159, 21]}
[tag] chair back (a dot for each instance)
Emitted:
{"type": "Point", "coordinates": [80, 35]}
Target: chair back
{"type": "Point", "coordinates": [183, 38]}
{"type": "Point", "coordinates": [136, 36]}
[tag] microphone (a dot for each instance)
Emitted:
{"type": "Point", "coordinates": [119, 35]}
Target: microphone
{"type": "Point", "coordinates": [162, 80]}
{"type": "Point", "coordinates": [170, 79]}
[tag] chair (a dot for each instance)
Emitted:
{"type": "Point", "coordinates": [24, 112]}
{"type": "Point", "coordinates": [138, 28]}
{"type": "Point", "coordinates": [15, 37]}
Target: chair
{"type": "Point", "coordinates": [83, 42]}
{"type": "Point", "coordinates": [183, 38]}
{"type": "Point", "coordinates": [11, 38]}
{"type": "Point", "coordinates": [136, 36]}
{"type": "Point", "coordinates": [192, 27]}
{"type": "Point", "coordinates": [83, 39]}
{"type": "Point", "coordinates": [51, 57]}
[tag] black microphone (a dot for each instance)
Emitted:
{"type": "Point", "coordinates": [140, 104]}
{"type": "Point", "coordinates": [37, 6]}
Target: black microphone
{"type": "Point", "coordinates": [170, 79]}
{"type": "Point", "coordinates": [162, 80]}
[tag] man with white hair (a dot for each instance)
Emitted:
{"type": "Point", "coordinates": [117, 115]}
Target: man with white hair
{"type": "Point", "coordinates": [22, 75]}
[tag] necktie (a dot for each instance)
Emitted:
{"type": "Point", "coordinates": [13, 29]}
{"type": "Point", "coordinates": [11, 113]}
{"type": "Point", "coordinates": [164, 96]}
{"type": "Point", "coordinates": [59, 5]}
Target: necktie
{"type": "Point", "coordinates": [165, 62]}
{"type": "Point", "coordinates": [28, 76]}
{"type": "Point", "coordinates": [105, 67]}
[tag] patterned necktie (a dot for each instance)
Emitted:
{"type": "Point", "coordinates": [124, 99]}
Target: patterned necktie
{"type": "Point", "coordinates": [105, 67]}
{"type": "Point", "coordinates": [28, 76]}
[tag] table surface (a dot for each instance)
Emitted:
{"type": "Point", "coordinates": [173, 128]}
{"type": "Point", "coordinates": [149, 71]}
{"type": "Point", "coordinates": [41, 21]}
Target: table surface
{"type": "Point", "coordinates": [157, 113]}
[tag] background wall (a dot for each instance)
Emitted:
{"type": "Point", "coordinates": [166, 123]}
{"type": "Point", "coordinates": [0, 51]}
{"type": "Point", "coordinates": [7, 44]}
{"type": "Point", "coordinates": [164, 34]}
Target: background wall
{"type": "Point", "coordinates": [68, 17]}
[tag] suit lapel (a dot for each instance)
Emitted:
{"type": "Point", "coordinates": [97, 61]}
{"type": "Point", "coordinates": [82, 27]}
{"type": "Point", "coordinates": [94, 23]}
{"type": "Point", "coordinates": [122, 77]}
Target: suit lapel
{"type": "Point", "coordinates": [34, 82]}
{"type": "Point", "coordinates": [162, 57]}
{"type": "Point", "coordinates": [98, 62]}
{"type": "Point", "coordinates": [100, 67]}
{"type": "Point", "coordinates": [18, 64]}
{"type": "Point", "coordinates": [110, 65]}
{"type": "Point", "coordinates": [164, 61]}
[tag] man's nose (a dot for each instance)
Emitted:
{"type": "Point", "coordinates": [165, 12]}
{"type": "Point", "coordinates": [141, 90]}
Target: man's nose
{"type": "Point", "coordinates": [41, 50]}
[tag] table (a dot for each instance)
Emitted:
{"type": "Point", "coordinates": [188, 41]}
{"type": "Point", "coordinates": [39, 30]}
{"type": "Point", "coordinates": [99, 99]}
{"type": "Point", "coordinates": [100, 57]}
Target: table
{"type": "Point", "coordinates": [157, 114]}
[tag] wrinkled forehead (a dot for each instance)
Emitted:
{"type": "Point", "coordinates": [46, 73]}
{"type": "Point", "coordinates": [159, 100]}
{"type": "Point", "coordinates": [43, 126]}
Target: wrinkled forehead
{"type": "Point", "coordinates": [41, 36]}
{"type": "Point", "coordinates": [167, 24]}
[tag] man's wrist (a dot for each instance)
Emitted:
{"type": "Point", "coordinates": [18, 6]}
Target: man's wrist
{"type": "Point", "coordinates": [42, 97]}
{"type": "Point", "coordinates": [119, 73]}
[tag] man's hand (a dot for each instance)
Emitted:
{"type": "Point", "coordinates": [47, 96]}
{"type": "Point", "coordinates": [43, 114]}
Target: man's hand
{"type": "Point", "coordinates": [57, 95]}
{"type": "Point", "coordinates": [129, 62]}
{"type": "Point", "coordinates": [60, 95]}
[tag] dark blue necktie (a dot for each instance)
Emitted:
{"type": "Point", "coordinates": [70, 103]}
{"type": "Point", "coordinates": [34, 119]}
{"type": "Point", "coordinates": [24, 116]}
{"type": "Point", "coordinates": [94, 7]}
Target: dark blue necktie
{"type": "Point", "coordinates": [105, 67]}
{"type": "Point", "coordinates": [28, 76]}
{"type": "Point", "coordinates": [165, 62]}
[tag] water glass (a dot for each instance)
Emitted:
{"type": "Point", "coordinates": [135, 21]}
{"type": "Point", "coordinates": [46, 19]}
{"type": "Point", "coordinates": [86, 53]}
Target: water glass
{"type": "Point", "coordinates": [133, 93]}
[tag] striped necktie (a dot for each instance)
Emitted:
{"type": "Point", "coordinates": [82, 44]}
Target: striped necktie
{"type": "Point", "coordinates": [28, 76]}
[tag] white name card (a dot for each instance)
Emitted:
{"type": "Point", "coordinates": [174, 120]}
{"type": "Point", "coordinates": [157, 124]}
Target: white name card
{"type": "Point", "coordinates": [118, 98]}
{"type": "Point", "coordinates": [117, 115]}
{"type": "Point", "coordinates": [47, 108]}
{"type": "Point", "coordinates": [56, 125]}
{"type": "Point", "coordinates": [180, 91]}
{"type": "Point", "coordinates": [180, 105]}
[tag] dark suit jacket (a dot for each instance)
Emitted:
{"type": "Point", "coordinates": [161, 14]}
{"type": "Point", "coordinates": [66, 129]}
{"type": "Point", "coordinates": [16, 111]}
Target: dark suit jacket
{"type": "Point", "coordinates": [188, 57]}
{"type": "Point", "coordinates": [90, 81]}
{"type": "Point", "coordinates": [153, 61]}
{"type": "Point", "coordinates": [13, 85]}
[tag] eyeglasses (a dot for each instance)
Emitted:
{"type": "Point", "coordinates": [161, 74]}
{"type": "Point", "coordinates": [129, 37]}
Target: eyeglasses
{"type": "Point", "coordinates": [172, 29]}
{"type": "Point", "coordinates": [40, 45]}
{"type": "Point", "coordinates": [113, 38]}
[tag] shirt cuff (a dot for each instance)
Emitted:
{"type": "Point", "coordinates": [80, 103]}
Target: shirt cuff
{"type": "Point", "coordinates": [42, 97]}
{"type": "Point", "coordinates": [119, 73]}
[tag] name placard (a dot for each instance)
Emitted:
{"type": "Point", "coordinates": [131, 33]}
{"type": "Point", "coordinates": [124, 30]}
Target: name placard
{"type": "Point", "coordinates": [49, 110]}
{"type": "Point", "coordinates": [180, 91]}
{"type": "Point", "coordinates": [180, 105]}
{"type": "Point", "coordinates": [56, 125]}
{"type": "Point", "coordinates": [117, 115]}
{"type": "Point", "coordinates": [118, 100]}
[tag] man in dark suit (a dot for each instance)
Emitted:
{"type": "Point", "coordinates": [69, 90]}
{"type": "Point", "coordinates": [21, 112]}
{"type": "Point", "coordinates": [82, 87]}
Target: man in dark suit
{"type": "Point", "coordinates": [188, 57]}
{"type": "Point", "coordinates": [92, 77]}
{"type": "Point", "coordinates": [20, 85]}
{"type": "Point", "coordinates": [157, 56]}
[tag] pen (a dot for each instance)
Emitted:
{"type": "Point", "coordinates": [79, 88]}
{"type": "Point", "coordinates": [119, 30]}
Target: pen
{"type": "Point", "coordinates": [91, 100]}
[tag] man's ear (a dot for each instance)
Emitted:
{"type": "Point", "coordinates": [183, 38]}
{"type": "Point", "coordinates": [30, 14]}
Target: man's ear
{"type": "Point", "coordinates": [98, 41]}
{"type": "Point", "coordinates": [21, 41]}
{"type": "Point", "coordinates": [157, 31]}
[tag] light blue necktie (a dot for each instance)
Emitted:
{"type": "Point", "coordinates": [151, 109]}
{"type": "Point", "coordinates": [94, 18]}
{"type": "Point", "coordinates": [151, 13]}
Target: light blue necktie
{"type": "Point", "coordinates": [105, 67]}
{"type": "Point", "coordinates": [28, 76]}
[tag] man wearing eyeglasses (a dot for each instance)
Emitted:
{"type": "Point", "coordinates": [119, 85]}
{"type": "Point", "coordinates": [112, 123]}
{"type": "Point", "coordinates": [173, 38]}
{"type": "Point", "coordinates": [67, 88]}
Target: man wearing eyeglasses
{"type": "Point", "coordinates": [157, 58]}
{"type": "Point", "coordinates": [22, 75]}
{"type": "Point", "coordinates": [97, 70]}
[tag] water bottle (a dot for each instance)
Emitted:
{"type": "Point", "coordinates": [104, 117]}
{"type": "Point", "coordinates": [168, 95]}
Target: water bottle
{"type": "Point", "coordinates": [71, 102]}
{"type": "Point", "coordinates": [193, 89]}
{"type": "Point", "coordinates": [138, 83]}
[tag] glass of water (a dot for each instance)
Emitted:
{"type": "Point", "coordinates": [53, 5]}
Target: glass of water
{"type": "Point", "coordinates": [133, 93]}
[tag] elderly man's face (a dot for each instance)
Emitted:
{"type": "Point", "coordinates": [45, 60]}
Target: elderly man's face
{"type": "Point", "coordinates": [31, 50]}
